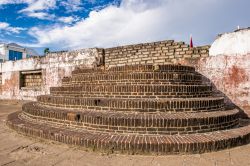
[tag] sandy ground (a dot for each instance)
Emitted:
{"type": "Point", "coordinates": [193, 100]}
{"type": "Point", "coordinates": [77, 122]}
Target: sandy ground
{"type": "Point", "coordinates": [16, 149]}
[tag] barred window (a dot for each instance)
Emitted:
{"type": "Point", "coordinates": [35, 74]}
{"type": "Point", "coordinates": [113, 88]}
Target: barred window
{"type": "Point", "coordinates": [31, 79]}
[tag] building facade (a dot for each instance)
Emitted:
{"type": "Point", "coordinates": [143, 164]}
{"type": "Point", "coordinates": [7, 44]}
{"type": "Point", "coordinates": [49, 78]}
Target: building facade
{"type": "Point", "coordinates": [13, 51]}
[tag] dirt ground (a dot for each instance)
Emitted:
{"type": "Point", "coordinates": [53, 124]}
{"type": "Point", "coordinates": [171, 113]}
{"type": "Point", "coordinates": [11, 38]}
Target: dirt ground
{"type": "Point", "coordinates": [16, 149]}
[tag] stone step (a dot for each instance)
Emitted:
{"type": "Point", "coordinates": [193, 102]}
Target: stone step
{"type": "Point", "coordinates": [136, 91]}
{"type": "Point", "coordinates": [66, 82]}
{"type": "Point", "coordinates": [145, 77]}
{"type": "Point", "coordinates": [131, 96]}
{"type": "Point", "coordinates": [140, 123]}
{"type": "Point", "coordinates": [136, 105]}
{"type": "Point", "coordinates": [136, 68]}
{"type": "Point", "coordinates": [132, 143]}
{"type": "Point", "coordinates": [142, 76]}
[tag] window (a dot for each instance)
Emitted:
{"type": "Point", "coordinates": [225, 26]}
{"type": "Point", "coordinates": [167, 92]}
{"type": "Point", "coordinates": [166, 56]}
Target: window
{"type": "Point", "coordinates": [31, 79]}
{"type": "Point", "coordinates": [15, 55]}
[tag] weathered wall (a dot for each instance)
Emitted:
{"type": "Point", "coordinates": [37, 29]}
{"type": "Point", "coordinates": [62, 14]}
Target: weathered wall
{"type": "Point", "coordinates": [233, 44]}
{"type": "Point", "coordinates": [229, 75]}
{"type": "Point", "coordinates": [228, 66]}
{"type": "Point", "coordinates": [152, 53]}
{"type": "Point", "coordinates": [54, 67]}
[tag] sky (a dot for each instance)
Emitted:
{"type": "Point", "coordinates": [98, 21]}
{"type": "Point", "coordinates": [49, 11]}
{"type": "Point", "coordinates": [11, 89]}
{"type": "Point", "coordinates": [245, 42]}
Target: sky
{"type": "Point", "coordinates": [75, 24]}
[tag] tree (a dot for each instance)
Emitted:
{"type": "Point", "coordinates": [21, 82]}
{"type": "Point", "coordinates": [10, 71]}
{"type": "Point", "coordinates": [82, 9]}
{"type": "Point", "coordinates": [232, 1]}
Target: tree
{"type": "Point", "coordinates": [46, 51]}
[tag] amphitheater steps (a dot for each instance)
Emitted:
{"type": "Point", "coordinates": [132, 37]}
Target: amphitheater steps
{"type": "Point", "coordinates": [157, 123]}
{"type": "Point", "coordinates": [137, 91]}
{"type": "Point", "coordinates": [66, 82]}
{"type": "Point", "coordinates": [137, 68]}
{"type": "Point", "coordinates": [168, 77]}
{"type": "Point", "coordinates": [163, 109]}
{"type": "Point", "coordinates": [134, 104]}
{"type": "Point", "coordinates": [133, 143]}
{"type": "Point", "coordinates": [163, 74]}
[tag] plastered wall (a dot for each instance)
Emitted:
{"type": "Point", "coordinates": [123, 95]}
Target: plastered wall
{"type": "Point", "coordinates": [54, 67]}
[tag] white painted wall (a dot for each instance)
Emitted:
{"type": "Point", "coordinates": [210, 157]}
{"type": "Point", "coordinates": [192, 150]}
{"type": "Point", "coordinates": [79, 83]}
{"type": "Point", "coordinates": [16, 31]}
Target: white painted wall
{"type": "Point", "coordinates": [2, 51]}
{"type": "Point", "coordinates": [54, 67]}
{"type": "Point", "coordinates": [234, 43]}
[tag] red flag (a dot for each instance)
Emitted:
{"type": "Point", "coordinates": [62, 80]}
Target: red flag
{"type": "Point", "coordinates": [191, 42]}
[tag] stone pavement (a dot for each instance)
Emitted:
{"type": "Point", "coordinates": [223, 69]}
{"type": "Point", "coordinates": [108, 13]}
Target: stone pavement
{"type": "Point", "coordinates": [17, 150]}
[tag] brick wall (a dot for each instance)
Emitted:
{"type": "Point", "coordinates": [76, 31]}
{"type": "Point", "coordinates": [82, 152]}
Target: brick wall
{"type": "Point", "coordinates": [161, 52]}
{"type": "Point", "coordinates": [31, 79]}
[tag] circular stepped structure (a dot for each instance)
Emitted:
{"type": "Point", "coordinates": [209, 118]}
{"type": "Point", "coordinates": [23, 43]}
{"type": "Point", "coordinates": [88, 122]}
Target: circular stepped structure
{"type": "Point", "coordinates": [164, 109]}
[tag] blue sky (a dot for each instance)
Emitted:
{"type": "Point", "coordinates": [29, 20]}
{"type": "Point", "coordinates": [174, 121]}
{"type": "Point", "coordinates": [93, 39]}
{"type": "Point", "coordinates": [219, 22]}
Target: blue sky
{"type": "Point", "coordinates": [75, 24]}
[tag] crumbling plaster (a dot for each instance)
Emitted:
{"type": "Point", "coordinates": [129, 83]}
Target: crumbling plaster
{"type": "Point", "coordinates": [228, 67]}
{"type": "Point", "coordinates": [54, 67]}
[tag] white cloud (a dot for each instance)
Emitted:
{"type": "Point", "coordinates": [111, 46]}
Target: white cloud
{"type": "Point", "coordinates": [38, 9]}
{"type": "Point", "coordinates": [72, 5]}
{"type": "Point", "coordinates": [68, 20]}
{"type": "Point", "coordinates": [39, 5]}
{"type": "Point", "coordinates": [33, 5]}
{"type": "Point", "coordinates": [131, 22]}
{"type": "Point", "coordinates": [41, 15]}
{"type": "Point", "coordinates": [35, 8]}
{"type": "Point", "coordinates": [4, 26]}
{"type": "Point", "coordinates": [137, 21]}
{"type": "Point", "coordinates": [4, 2]}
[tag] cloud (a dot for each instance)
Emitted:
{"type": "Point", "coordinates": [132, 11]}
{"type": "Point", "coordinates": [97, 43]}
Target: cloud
{"type": "Point", "coordinates": [32, 5]}
{"type": "Point", "coordinates": [131, 22]}
{"type": "Point", "coordinates": [4, 2]}
{"type": "Point", "coordinates": [35, 8]}
{"type": "Point", "coordinates": [135, 21]}
{"type": "Point", "coordinates": [39, 5]}
{"type": "Point", "coordinates": [40, 8]}
{"type": "Point", "coordinates": [4, 26]}
{"type": "Point", "coordinates": [41, 15]}
{"type": "Point", "coordinates": [68, 20]}
{"type": "Point", "coordinates": [72, 5]}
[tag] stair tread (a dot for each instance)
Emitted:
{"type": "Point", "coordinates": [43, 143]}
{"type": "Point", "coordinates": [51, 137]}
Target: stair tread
{"type": "Point", "coordinates": [141, 123]}
{"type": "Point", "coordinates": [188, 143]}
{"type": "Point", "coordinates": [143, 99]}
{"type": "Point", "coordinates": [157, 115]}
{"type": "Point", "coordinates": [168, 67]}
